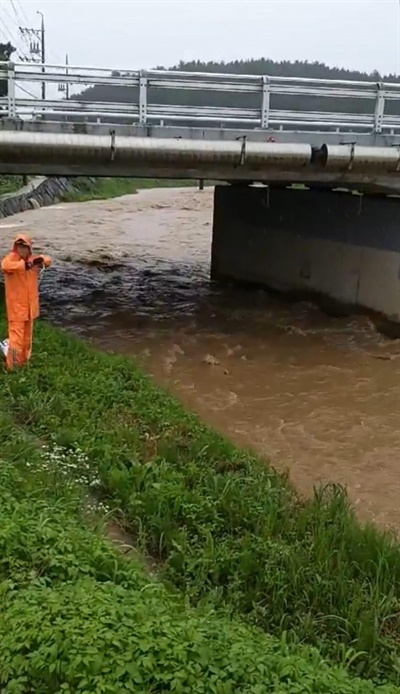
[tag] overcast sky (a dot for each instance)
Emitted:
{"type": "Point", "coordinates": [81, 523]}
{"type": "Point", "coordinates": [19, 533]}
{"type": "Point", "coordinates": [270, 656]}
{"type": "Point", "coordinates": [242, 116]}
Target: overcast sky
{"type": "Point", "coordinates": [361, 34]}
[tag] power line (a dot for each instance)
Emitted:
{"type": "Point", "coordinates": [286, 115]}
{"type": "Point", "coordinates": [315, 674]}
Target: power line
{"type": "Point", "coordinates": [5, 25]}
{"type": "Point", "coordinates": [35, 37]}
{"type": "Point", "coordinates": [13, 2]}
{"type": "Point", "coordinates": [11, 35]}
{"type": "Point", "coordinates": [19, 23]}
{"type": "Point", "coordinates": [13, 41]}
{"type": "Point", "coordinates": [43, 53]}
{"type": "Point", "coordinates": [37, 48]}
{"type": "Point", "coordinates": [18, 86]}
{"type": "Point", "coordinates": [22, 12]}
{"type": "Point", "coordinates": [29, 35]}
{"type": "Point", "coordinates": [35, 41]}
{"type": "Point", "coordinates": [15, 11]}
{"type": "Point", "coordinates": [26, 35]}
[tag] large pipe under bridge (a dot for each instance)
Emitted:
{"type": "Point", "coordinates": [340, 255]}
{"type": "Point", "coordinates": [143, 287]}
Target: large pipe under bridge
{"type": "Point", "coordinates": [24, 152]}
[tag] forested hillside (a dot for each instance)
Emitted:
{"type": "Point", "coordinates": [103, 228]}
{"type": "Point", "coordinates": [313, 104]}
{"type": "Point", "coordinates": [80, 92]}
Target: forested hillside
{"type": "Point", "coordinates": [262, 66]}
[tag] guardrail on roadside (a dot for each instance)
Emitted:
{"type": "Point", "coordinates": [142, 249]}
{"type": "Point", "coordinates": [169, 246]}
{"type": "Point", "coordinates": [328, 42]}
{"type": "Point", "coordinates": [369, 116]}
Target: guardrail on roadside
{"type": "Point", "coordinates": [147, 86]}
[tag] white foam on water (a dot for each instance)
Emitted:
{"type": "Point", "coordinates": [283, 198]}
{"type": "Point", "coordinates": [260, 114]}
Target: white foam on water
{"type": "Point", "coordinates": [10, 226]}
{"type": "Point", "coordinates": [54, 207]}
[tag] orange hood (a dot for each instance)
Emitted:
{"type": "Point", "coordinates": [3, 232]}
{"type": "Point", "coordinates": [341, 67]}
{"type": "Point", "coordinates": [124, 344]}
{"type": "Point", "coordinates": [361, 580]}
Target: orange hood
{"type": "Point", "coordinates": [24, 239]}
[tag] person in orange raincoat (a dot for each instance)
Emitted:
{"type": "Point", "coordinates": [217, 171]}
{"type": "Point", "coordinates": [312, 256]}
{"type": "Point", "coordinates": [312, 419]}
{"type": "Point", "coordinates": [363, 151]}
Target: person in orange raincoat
{"type": "Point", "coordinates": [21, 281]}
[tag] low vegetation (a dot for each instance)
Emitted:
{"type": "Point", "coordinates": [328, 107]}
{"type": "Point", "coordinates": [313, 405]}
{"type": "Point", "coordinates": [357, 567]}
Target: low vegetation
{"type": "Point", "coordinates": [9, 184]}
{"type": "Point", "coordinates": [78, 617]}
{"type": "Point", "coordinates": [223, 529]}
{"type": "Point", "coordinates": [85, 189]}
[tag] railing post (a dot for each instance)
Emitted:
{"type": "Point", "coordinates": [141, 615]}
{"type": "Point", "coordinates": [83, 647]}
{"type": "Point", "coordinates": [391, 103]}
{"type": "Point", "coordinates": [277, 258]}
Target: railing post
{"type": "Point", "coordinates": [265, 102]}
{"type": "Point", "coordinates": [142, 96]}
{"type": "Point", "coordinates": [12, 110]}
{"type": "Point", "coordinates": [379, 107]}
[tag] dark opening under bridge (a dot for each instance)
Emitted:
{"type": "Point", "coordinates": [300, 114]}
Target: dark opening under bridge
{"type": "Point", "coordinates": [277, 131]}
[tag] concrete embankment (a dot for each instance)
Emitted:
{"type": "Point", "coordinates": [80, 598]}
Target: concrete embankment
{"type": "Point", "coordinates": [40, 192]}
{"type": "Point", "coordinates": [339, 245]}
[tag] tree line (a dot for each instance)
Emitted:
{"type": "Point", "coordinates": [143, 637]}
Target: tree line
{"type": "Point", "coordinates": [6, 51]}
{"type": "Point", "coordinates": [262, 66]}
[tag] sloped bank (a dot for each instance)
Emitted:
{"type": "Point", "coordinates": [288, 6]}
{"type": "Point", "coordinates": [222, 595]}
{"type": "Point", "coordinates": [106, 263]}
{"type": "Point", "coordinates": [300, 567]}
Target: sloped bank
{"type": "Point", "coordinates": [42, 192]}
{"type": "Point", "coordinates": [222, 525]}
{"type": "Point", "coordinates": [77, 616]}
{"type": "Point", "coordinates": [39, 193]}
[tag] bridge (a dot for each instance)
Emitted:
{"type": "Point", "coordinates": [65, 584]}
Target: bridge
{"type": "Point", "coordinates": [327, 135]}
{"type": "Point", "coordinates": [249, 137]}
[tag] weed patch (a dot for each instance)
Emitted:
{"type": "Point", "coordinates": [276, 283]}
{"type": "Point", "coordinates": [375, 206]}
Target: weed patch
{"type": "Point", "coordinates": [78, 617]}
{"type": "Point", "coordinates": [10, 184]}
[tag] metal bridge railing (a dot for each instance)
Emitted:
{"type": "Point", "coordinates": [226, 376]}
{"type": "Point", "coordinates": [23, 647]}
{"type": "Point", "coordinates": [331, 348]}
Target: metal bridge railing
{"type": "Point", "coordinates": [148, 88]}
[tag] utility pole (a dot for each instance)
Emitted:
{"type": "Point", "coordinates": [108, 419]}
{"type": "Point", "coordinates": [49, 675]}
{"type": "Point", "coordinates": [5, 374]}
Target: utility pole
{"type": "Point", "coordinates": [66, 72]}
{"type": "Point", "coordinates": [43, 54]}
{"type": "Point", "coordinates": [64, 86]}
{"type": "Point", "coordinates": [37, 46]}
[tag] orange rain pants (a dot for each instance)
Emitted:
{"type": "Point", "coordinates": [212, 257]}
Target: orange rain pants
{"type": "Point", "coordinates": [19, 343]}
{"type": "Point", "coordinates": [22, 302]}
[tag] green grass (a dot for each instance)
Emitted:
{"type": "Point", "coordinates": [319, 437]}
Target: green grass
{"type": "Point", "coordinates": [9, 184]}
{"type": "Point", "coordinates": [104, 188]}
{"type": "Point", "coordinates": [77, 616]}
{"type": "Point", "coordinates": [223, 526]}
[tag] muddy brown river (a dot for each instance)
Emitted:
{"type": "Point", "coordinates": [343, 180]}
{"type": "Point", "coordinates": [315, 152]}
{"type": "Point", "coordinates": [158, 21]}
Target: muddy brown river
{"type": "Point", "coordinates": [317, 395]}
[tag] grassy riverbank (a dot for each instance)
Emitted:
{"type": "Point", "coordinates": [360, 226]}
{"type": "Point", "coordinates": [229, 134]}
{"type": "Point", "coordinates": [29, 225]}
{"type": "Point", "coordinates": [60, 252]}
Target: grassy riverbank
{"type": "Point", "coordinates": [221, 527]}
{"type": "Point", "coordinates": [9, 184]}
{"type": "Point", "coordinates": [104, 188]}
{"type": "Point", "coordinates": [79, 617]}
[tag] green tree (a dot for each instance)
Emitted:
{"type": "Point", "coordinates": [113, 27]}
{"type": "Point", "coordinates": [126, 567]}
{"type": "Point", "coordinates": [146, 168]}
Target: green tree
{"type": "Point", "coordinates": [6, 51]}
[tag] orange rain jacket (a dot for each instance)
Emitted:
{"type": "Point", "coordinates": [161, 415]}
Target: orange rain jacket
{"type": "Point", "coordinates": [21, 285]}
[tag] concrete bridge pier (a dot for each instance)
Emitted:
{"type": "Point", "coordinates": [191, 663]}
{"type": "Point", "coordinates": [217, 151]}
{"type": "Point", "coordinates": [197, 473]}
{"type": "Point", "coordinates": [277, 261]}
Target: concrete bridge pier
{"type": "Point", "coordinates": [338, 245]}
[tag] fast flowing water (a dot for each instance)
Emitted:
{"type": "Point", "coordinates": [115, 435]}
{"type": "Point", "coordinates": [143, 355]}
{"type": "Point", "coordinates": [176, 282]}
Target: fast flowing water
{"type": "Point", "coordinates": [317, 395]}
